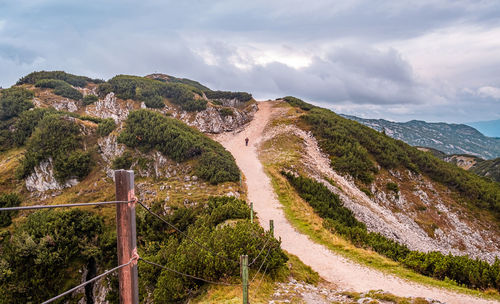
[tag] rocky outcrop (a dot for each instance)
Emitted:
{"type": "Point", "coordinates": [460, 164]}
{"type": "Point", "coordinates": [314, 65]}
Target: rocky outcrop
{"type": "Point", "coordinates": [109, 149]}
{"type": "Point", "coordinates": [109, 107]}
{"type": "Point", "coordinates": [212, 121]}
{"type": "Point", "coordinates": [65, 105]}
{"type": "Point", "coordinates": [42, 179]}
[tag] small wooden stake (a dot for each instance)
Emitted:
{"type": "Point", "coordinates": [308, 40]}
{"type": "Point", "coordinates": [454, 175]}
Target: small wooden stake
{"type": "Point", "coordinates": [244, 277]}
{"type": "Point", "coordinates": [271, 227]}
{"type": "Point", "coordinates": [251, 213]}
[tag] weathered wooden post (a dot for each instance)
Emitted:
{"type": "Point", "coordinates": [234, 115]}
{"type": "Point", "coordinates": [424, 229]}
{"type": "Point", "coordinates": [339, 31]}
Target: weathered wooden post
{"type": "Point", "coordinates": [126, 237]}
{"type": "Point", "coordinates": [271, 227]}
{"type": "Point", "coordinates": [244, 277]}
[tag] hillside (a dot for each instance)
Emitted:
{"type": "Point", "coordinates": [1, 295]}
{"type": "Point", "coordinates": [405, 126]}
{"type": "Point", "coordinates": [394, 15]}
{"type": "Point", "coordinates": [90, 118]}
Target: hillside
{"type": "Point", "coordinates": [488, 168]}
{"type": "Point", "coordinates": [61, 137]}
{"type": "Point", "coordinates": [340, 193]}
{"type": "Point", "coordinates": [449, 138]}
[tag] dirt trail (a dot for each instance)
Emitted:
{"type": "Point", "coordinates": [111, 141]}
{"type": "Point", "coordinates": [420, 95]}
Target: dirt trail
{"type": "Point", "coordinates": [332, 267]}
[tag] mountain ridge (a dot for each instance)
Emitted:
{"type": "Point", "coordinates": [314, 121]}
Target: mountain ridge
{"type": "Point", "coordinates": [449, 138]}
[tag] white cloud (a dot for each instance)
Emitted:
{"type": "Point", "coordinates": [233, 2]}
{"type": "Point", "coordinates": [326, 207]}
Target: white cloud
{"type": "Point", "coordinates": [488, 91]}
{"type": "Point", "coordinates": [2, 24]}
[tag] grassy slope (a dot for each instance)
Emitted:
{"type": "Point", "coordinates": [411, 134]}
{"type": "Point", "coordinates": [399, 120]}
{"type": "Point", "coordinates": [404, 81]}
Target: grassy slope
{"type": "Point", "coordinates": [302, 216]}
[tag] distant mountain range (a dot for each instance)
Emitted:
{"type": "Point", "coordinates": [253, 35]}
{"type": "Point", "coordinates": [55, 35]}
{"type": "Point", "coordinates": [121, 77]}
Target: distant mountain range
{"type": "Point", "coordinates": [448, 138]}
{"type": "Point", "coordinates": [488, 128]}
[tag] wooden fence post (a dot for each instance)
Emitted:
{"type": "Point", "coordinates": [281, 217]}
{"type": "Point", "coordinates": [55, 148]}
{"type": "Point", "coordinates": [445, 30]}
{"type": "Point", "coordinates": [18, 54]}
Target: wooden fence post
{"type": "Point", "coordinates": [126, 237]}
{"type": "Point", "coordinates": [251, 213]}
{"type": "Point", "coordinates": [244, 277]}
{"type": "Point", "coordinates": [271, 227]}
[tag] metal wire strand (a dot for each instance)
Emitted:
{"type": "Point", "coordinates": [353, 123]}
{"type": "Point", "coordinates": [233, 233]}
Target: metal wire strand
{"type": "Point", "coordinates": [186, 236]}
{"type": "Point", "coordinates": [62, 205]}
{"type": "Point", "coordinates": [187, 275]}
{"type": "Point", "coordinates": [88, 282]}
{"type": "Point", "coordinates": [262, 279]}
{"type": "Point", "coordinates": [268, 251]}
{"type": "Point", "coordinates": [262, 250]}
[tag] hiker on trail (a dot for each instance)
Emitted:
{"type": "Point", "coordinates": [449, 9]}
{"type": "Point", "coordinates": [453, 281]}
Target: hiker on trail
{"type": "Point", "coordinates": [246, 141]}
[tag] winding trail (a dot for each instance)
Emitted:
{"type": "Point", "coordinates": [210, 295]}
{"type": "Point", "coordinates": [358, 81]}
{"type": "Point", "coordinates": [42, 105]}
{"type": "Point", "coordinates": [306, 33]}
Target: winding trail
{"type": "Point", "coordinates": [331, 266]}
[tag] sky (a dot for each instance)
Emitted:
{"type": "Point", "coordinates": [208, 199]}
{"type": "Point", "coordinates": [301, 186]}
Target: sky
{"type": "Point", "coordinates": [433, 60]}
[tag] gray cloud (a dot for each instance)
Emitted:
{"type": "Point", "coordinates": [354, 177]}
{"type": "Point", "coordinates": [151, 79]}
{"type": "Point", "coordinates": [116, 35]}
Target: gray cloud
{"type": "Point", "coordinates": [385, 58]}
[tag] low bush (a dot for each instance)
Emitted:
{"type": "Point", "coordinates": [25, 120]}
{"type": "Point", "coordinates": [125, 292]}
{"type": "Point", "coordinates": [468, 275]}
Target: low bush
{"type": "Point", "coordinates": [89, 99]}
{"type": "Point", "coordinates": [78, 81]}
{"type": "Point", "coordinates": [124, 161]}
{"type": "Point", "coordinates": [339, 219]}
{"type": "Point", "coordinates": [27, 122]}
{"type": "Point", "coordinates": [50, 83]}
{"type": "Point", "coordinates": [392, 187]}
{"type": "Point", "coordinates": [151, 91]}
{"type": "Point", "coordinates": [13, 101]}
{"type": "Point", "coordinates": [68, 92]}
{"type": "Point", "coordinates": [55, 137]}
{"type": "Point", "coordinates": [147, 130]}
{"type": "Point", "coordinates": [8, 200]}
{"type": "Point", "coordinates": [39, 259]}
{"type": "Point", "coordinates": [226, 112]}
{"type": "Point", "coordinates": [240, 96]}
{"type": "Point", "coordinates": [105, 127]}
{"type": "Point", "coordinates": [296, 102]}
{"type": "Point", "coordinates": [209, 227]}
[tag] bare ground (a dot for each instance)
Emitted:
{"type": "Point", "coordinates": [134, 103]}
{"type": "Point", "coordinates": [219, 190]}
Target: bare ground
{"type": "Point", "coordinates": [331, 266]}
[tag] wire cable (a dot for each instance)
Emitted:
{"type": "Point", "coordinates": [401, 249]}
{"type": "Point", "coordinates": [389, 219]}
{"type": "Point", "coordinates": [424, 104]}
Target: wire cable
{"type": "Point", "coordinates": [187, 275]}
{"type": "Point", "coordinates": [262, 250]}
{"type": "Point", "coordinates": [88, 282]}
{"type": "Point", "coordinates": [62, 205]}
{"type": "Point", "coordinates": [262, 279]}
{"type": "Point", "coordinates": [268, 251]}
{"type": "Point", "coordinates": [185, 235]}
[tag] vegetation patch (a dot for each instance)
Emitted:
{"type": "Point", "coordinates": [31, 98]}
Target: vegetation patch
{"type": "Point", "coordinates": [13, 101]}
{"type": "Point", "coordinates": [352, 146]}
{"type": "Point", "coordinates": [59, 138]}
{"type": "Point", "coordinates": [339, 219]}
{"type": "Point", "coordinates": [89, 99]}
{"type": "Point", "coordinates": [8, 200]}
{"type": "Point", "coordinates": [77, 81]}
{"type": "Point", "coordinates": [152, 92]}
{"type": "Point", "coordinates": [222, 228]}
{"type": "Point", "coordinates": [105, 127]}
{"type": "Point", "coordinates": [240, 96]}
{"type": "Point", "coordinates": [147, 130]}
{"type": "Point", "coordinates": [37, 256]}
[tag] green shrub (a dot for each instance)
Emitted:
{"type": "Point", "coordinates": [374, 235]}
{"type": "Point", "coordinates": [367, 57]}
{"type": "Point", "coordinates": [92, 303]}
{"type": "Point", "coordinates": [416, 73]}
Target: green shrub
{"type": "Point", "coordinates": [392, 187]}
{"type": "Point", "coordinates": [8, 200]}
{"type": "Point", "coordinates": [150, 91]}
{"type": "Point", "coordinates": [39, 259]}
{"type": "Point", "coordinates": [240, 96]}
{"type": "Point", "coordinates": [68, 92]}
{"type": "Point", "coordinates": [296, 102]}
{"type": "Point", "coordinates": [54, 137]}
{"type": "Point", "coordinates": [13, 101]}
{"type": "Point", "coordinates": [147, 130]}
{"type": "Point", "coordinates": [207, 226]}
{"type": "Point", "coordinates": [27, 122]}
{"type": "Point", "coordinates": [106, 126]}
{"type": "Point", "coordinates": [89, 99]}
{"type": "Point", "coordinates": [78, 81]}
{"type": "Point", "coordinates": [461, 269]}
{"type": "Point", "coordinates": [50, 83]}
{"type": "Point", "coordinates": [104, 89]}
{"type": "Point", "coordinates": [226, 112]}
{"type": "Point", "coordinates": [123, 162]}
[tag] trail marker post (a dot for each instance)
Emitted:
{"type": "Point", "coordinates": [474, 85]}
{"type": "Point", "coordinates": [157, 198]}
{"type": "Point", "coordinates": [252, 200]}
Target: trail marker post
{"type": "Point", "coordinates": [126, 237]}
{"type": "Point", "coordinates": [271, 227]}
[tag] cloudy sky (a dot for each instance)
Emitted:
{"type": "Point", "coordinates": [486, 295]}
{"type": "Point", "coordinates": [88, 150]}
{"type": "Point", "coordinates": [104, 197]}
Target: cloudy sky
{"type": "Point", "coordinates": [434, 60]}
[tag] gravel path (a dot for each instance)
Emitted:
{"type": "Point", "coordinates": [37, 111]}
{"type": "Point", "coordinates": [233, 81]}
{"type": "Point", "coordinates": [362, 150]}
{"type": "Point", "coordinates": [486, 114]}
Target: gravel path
{"type": "Point", "coordinates": [332, 267]}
